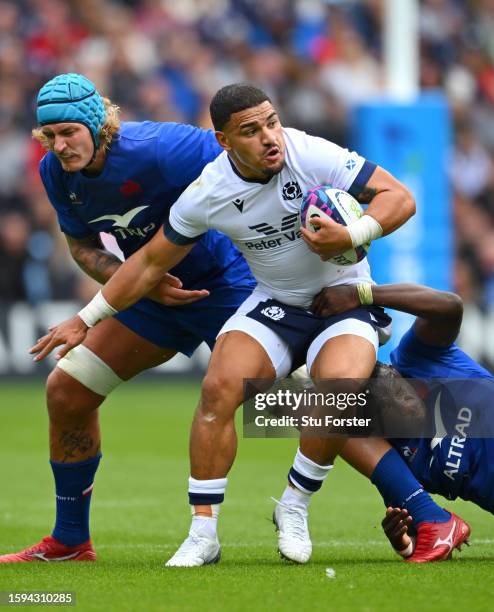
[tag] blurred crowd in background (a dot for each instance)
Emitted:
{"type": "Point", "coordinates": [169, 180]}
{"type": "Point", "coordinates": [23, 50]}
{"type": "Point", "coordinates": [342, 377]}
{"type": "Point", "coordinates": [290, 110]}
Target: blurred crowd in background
{"type": "Point", "coordinates": [163, 60]}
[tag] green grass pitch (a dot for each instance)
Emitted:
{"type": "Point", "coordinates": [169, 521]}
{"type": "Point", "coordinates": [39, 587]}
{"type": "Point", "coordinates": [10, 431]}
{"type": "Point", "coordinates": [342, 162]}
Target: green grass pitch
{"type": "Point", "coordinates": [140, 514]}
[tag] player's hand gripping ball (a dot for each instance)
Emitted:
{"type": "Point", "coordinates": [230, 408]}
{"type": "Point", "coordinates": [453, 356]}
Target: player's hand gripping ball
{"type": "Point", "coordinates": [324, 201]}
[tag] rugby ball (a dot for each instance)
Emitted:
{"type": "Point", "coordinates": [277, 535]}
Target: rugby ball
{"type": "Point", "coordinates": [336, 204]}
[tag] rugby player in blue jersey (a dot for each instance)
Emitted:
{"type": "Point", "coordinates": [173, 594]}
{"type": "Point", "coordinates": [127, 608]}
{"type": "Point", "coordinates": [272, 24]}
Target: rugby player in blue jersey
{"type": "Point", "coordinates": [101, 175]}
{"type": "Point", "coordinates": [456, 466]}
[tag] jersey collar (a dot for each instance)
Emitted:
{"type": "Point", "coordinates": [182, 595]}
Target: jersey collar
{"type": "Point", "coordinates": [247, 180]}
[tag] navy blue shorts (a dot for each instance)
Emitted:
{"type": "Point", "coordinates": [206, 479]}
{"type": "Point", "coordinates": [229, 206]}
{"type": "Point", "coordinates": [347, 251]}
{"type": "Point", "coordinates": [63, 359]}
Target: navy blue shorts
{"type": "Point", "coordinates": [183, 328]}
{"type": "Point", "coordinates": [298, 327]}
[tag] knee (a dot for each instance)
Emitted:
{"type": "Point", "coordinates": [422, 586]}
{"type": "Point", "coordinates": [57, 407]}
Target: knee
{"type": "Point", "coordinates": [220, 396]}
{"type": "Point", "coordinates": [67, 399]}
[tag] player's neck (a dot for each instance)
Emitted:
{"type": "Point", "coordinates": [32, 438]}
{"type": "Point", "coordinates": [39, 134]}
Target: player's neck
{"type": "Point", "coordinates": [246, 173]}
{"type": "Point", "coordinates": [96, 166]}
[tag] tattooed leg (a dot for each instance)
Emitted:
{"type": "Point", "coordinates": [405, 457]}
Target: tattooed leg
{"type": "Point", "coordinates": [78, 444]}
{"type": "Point", "coordinates": [74, 420]}
{"type": "Point", "coordinates": [74, 409]}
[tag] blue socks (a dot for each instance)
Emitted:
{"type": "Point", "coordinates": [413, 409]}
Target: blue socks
{"type": "Point", "coordinates": [74, 485]}
{"type": "Point", "coordinates": [399, 488]}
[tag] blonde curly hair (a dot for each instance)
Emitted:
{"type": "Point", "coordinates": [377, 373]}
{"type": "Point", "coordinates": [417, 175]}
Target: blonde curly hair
{"type": "Point", "coordinates": [108, 129]}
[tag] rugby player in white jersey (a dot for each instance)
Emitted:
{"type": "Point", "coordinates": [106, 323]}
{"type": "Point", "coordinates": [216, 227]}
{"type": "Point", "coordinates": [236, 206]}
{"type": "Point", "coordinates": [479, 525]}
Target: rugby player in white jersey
{"type": "Point", "coordinates": [252, 193]}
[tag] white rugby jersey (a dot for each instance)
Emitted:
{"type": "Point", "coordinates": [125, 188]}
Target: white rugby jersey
{"type": "Point", "coordinates": [263, 219]}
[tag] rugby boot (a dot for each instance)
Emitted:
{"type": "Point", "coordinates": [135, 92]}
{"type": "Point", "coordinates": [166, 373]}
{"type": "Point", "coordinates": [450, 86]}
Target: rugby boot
{"type": "Point", "coordinates": [294, 542]}
{"type": "Point", "coordinates": [436, 541]}
{"type": "Point", "coordinates": [197, 549]}
{"type": "Point", "coordinates": [50, 549]}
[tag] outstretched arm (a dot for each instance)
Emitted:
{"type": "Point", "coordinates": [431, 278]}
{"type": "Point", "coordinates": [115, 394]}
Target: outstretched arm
{"type": "Point", "coordinates": [131, 281]}
{"type": "Point", "coordinates": [439, 313]}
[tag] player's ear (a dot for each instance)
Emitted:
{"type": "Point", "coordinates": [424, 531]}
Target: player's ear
{"type": "Point", "coordinates": [223, 140]}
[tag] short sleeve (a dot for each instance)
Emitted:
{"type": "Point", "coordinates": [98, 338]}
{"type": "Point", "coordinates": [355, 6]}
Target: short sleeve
{"type": "Point", "coordinates": [413, 358]}
{"type": "Point", "coordinates": [68, 220]}
{"type": "Point", "coordinates": [329, 164]}
{"type": "Point", "coordinates": [188, 216]}
{"type": "Point", "coordinates": [407, 353]}
{"type": "Point", "coordinates": [183, 151]}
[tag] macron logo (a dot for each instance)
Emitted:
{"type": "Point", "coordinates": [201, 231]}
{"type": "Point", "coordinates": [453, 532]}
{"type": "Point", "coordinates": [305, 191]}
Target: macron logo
{"type": "Point", "coordinates": [239, 204]}
{"type": "Point", "coordinates": [121, 220]}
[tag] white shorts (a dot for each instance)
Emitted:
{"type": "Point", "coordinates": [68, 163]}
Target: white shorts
{"type": "Point", "coordinates": [277, 349]}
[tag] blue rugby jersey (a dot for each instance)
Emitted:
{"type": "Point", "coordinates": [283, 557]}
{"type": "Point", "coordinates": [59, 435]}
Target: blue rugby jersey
{"type": "Point", "coordinates": [147, 167]}
{"type": "Point", "coordinates": [457, 466]}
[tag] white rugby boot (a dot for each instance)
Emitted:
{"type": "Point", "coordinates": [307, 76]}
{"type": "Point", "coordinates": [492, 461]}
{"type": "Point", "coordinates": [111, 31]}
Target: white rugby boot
{"type": "Point", "coordinates": [291, 524]}
{"type": "Point", "coordinates": [197, 549]}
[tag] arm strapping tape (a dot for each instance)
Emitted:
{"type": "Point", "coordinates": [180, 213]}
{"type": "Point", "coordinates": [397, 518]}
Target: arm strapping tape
{"type": "Point", "coordinates": [364, 291]}
{"type": "Point", "coordinates": [97, 310]}
{"type": "Point", "coordinates": [364, 230]}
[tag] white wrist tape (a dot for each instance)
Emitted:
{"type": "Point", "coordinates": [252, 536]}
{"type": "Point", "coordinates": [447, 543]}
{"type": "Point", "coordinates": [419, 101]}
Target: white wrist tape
{"type": "Point", "coordinates": [364, 230]}
{"type": "Point", "coordinates": [97, 310]}
{"type": "Point", "coordinates": [408, 551]}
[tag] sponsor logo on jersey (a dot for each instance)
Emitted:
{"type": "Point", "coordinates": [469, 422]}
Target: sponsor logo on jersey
{"type": "Point", "coordinates": [291, 191]}
{"type": "Point", "coordinates": [121, 220]}
{"type": "Point", "coordinates": [273, 312]}
{"type": "Point", "coordinates": [133, 232]}
{"type": "Point", "coordinates": [287, 223]}
{"type": "Point", "coordinates": [120, 227]}
{"type": "Point", "coordinates": [457, 444]}
{"type": "Point", "coordinates": [239, 204]}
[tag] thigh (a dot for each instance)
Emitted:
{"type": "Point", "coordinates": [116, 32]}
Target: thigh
{"type": "Point", "coordinates": [343, 356]}
{"type": "Point", "coordinates": [239, 355]}
{"type": "Point", "coordinates": [124, 351]}
{"type": "Point", "coordinates": [235, 358]}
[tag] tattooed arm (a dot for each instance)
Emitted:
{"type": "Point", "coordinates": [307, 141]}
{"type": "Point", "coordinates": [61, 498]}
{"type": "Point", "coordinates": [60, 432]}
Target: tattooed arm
{"type": "Point", "coordinates": [100, 264]}
{"type": "Point", "coordinates": [90, 255]}
{"type": "Point", "coordinates": [390, 202]}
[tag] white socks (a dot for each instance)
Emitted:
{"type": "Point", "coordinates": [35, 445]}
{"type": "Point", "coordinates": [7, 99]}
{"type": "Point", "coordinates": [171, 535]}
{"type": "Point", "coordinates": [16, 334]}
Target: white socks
{"type": "Point", "coordinates": [294, 497]}
{"type": "Point", "coordinates": [307, 475]}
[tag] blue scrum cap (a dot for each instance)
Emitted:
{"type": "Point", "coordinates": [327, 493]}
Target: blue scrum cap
{"type": "Point", "coordinates": [71, 98]}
